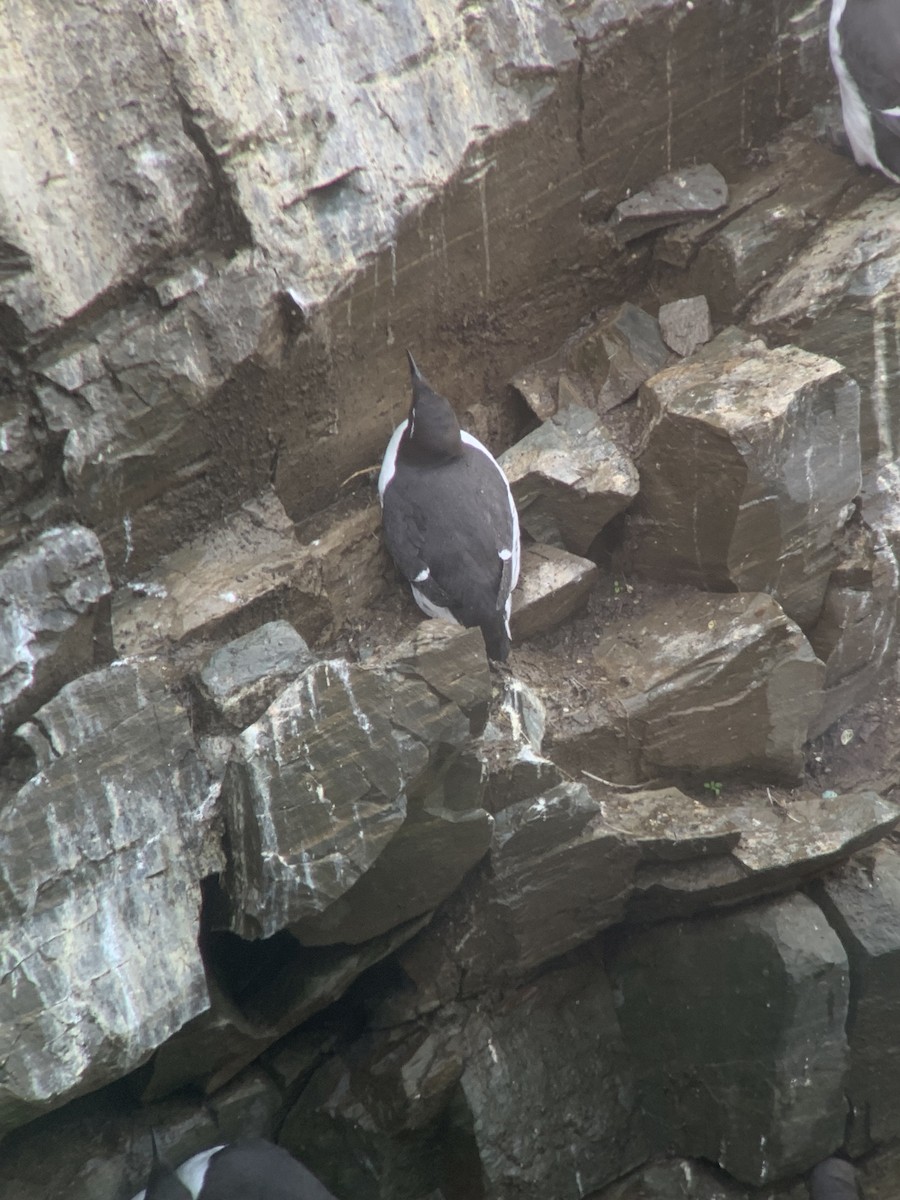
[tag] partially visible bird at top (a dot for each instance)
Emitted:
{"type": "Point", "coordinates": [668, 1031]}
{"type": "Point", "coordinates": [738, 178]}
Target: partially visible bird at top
{"type": "Point", "coordinates": [864, 40]}
{"type": "Point", "coordinates": [450, 522]}
{"type": "Point", "coordinates": [249, 1169]}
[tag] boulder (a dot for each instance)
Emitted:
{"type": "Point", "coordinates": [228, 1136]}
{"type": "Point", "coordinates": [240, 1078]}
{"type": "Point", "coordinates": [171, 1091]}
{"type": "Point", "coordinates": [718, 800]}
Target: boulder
{"type": "Point", "coordinates": [568, 479]}
{"type": "Point", "coordinates": [241, 679]}
{"type": "Point", "coordinates": [348, 764]}
{"type": "Point", "coordinates": [553, 586]}
{"type": "Point", "coordinates": [840, 297]}
{"type": "Point", "coordinates": [736, 1023]}
{"type": "Point", "coordinates": [550, 1088]}
{"type": "Point", "coordinates": [698, 684]}
{"type": "Point", "coordinates": [50, 591]}
{"type": "Point", "coordinates": [96, 975]}
{"type": "Point", "coordinates": [861, 901]}
{"type": "Point", "coordinates": [748, 474]}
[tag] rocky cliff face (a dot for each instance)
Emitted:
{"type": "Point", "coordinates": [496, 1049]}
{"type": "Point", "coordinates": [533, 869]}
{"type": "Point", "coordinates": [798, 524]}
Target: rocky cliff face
{"type": "Point", "coordinates": [276, 857]}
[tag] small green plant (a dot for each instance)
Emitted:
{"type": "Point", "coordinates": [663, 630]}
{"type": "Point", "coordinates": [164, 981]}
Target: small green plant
{"type": "Point", "coordinates": [714, 786]}
{"type": "Point", "coordinates": [617, 588]}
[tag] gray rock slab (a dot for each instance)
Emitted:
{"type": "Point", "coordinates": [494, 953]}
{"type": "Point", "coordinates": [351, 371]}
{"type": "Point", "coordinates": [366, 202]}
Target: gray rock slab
{"type": "Point", "coordinates": [347, 764]}
{"type": "Point", "coordinates": [780, 847]}
{"type": "Point", "coordinates": [841, 297]}
{"type": "Point", "coordinates": [665, 825]}
{"type": "Point", "coordinates": [701, 684]}
{"type": "Point", "coordinates": [553, 586]}
{"type": "Point", "coordinates": [96, 974]}
{"type": "Point", "coordinates": [568, 478]}
{"type": "Point", "coordinates": [49, 593]}
{"type": "Point", "coordinates": [678, 196]}
{"type": "Point", "coordinates": [240, 679]}
{"type": "Point", "coordinates": [685, 324]}
{"type": "Point", "coordinates": [223, 583]}
{"type": "Point", "coordinates": [562, 1131]}
{"type": "Point", "coordinates": [737, 1025]}
{"type": "Point", "coordinates": [748, 474]}
{"type": "Point", "coordinates": [861, 901]}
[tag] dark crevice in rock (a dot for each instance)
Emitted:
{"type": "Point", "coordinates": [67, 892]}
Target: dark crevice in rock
{"type": "Point", "coordinates": [228, 225]}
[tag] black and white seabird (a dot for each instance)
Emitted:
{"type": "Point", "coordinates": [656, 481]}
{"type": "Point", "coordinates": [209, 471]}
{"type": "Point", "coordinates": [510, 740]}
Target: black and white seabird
{"type": "Point", "coordinates": [864, 39]}
{"type": "Point", "coordinates": [833, 1179]}
{"type": "Point", "coordinates": [249, 1169]}
{"type": "Point", "coordinates": [450, 521]}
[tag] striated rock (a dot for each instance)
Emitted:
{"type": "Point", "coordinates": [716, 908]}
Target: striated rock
{"type": "Point", "coordinates": [347, 764]}
{"type": "Point", "coordinates": [781, 845]}
{"type": "Point", "coordinates": [227, 581]}
{"type": "Point", "coordinates": [855, 633]}
{"type": "Point", "coordinates": [685, 324]}
{"type": "Point", "coordinates": [553, 586]}
{"type": "Point", "coordinates": [841, 297]}
{"type": "Point", "coordinates": [615, 355]}
{"type": "Point", "coordinates": [747, 476]}
{"type": "Point", "coordinates": [550, 1088]}
{"type": "Point", "coordinates": [861, 901]}
{"type": "Point", "coordinates": [294, 985]}
{"type": "Point", "coordinates": [704, 685]}
{"type": "Point", "coordinates": [95, 976]}
{"type": "Point", "coordinates": [678, 196]}
{"type": "Point", "coordinates": [242, 678]}
{"type": "Point", "coordinates": [747, 1068]}
{"type": "Point", "coordinates": [568, 480]}
{"type": "Point", "coordinates": [49, 593]}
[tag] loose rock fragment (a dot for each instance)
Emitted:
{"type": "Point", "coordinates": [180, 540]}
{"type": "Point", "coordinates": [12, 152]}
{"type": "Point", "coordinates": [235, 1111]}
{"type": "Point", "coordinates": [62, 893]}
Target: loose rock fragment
{"type": "Point", "coordinates": [685, 324]}
{"type": "Point", "coordinates": [679, 196]}
{"type": "Point", "coordinates": [616, 354]}
{"type": "Point", "coordinates": [568, 480]}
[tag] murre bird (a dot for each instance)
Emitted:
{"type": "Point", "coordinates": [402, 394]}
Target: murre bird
{"type": "Point", "coordinates": [249, 1169]}
{"type": "Point", "coordinates": [450, 521]}
{"type": "Point", "coordinates": [833, 1179]}
{"type": "Point", "coordinates": [864, 39]}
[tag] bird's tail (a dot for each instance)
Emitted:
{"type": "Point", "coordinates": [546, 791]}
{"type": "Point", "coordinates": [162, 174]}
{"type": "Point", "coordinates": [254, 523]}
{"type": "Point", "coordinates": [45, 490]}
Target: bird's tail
{"type": "Point", "coordinates": [495, 631]}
